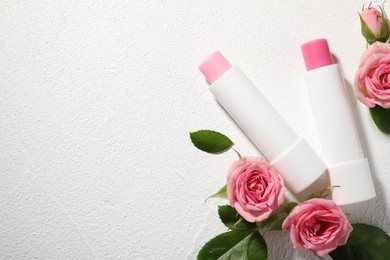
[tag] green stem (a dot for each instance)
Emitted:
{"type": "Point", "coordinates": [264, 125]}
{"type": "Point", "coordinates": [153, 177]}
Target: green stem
{"type": "Point", "coordinates": [239, 155]}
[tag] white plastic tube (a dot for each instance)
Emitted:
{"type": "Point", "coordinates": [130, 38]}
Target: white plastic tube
{"type": "Point", "coordinates": [333, 116]}
{"type": "Point", "coordinates": [290, 155]}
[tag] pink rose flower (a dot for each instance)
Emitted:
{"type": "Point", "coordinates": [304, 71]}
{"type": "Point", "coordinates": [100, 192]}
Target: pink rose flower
{"type": "Point", "coordinates": [372, 80]}
{"type": "Point", "coordinates": [317, 225]}
{"type": "Point", "coordinates": [254, 189]}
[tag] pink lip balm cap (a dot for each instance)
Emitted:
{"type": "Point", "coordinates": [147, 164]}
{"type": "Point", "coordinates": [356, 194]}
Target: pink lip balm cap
{"type": "Point", "coordinates": [316, 54]}
{"type": "Point", "coordinates": [214, 66]}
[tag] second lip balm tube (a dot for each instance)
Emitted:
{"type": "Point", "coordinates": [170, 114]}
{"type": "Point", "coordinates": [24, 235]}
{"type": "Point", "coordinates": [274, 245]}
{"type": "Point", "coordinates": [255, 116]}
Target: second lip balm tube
{"type": "Point", "coordinates": [290, 155]}
{"type": "Point", "coordinates": [333, 116]}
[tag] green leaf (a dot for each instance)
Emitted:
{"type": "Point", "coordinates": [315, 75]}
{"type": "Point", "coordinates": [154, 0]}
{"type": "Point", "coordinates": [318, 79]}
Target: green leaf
{"type": "Point", "coordinates": [287, 207]}
{"type": "Point", "coordinates": [233, 220]}
{"type": "Point", "coordinates": [366, 242]}
{"type": "Point", "coordinates": [220, 194]}
{"type": "Point", "coordinates": [322, 193]}
{"type": "Point", "coordinates": [257, 247]}
{"type": "Point", "coordinates": [248, 245]}
{"type": "Point", "coordinates": [381, 117]}
{"type": "Point", "coordinates": [276, 225]}
{"type": "Point", "coordinates": [274, 221]}
{"type": "Point", "coordinates": [211, 141]}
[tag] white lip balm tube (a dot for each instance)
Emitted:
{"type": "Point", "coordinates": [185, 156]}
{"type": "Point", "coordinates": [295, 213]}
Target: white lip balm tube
{"type": "Point", "coordinates": [290, 155]}
{"type": "Point", "coordinates": [333, 117]}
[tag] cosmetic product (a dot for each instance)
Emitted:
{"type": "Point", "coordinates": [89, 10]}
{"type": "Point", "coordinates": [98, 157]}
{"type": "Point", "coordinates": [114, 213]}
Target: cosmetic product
{"type": "Point", "coordinates": [290, 155]}
{"type": "Point", "coordinates": [336, 129]}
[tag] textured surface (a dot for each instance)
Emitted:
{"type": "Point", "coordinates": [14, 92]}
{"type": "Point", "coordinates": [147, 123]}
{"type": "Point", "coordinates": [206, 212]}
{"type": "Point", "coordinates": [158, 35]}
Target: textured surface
{"type": "Point", "coordinates": [97, 99]}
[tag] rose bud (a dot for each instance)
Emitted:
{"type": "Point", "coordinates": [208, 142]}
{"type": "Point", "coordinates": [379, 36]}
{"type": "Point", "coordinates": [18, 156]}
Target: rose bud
{"type": "Point", "coordinates": [374, 25]}
{"type": "Point", "coordinates": [317, 225]}
{"type": "Point", "coordinates": [254, 189]}
{"type": "Point", "coordinates": [372, 80]}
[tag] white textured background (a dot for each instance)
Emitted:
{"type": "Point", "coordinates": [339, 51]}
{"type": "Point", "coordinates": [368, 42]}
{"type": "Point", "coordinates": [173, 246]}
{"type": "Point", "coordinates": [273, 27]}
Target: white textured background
{"type": "Point", "coordinates": [96, 102]}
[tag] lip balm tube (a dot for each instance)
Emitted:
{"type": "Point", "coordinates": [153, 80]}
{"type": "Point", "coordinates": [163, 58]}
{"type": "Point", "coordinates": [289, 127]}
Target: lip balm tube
{"type": "Point", "coordinates": [290, 155]}
{"type": "Point", "coordinates": [335, 124]}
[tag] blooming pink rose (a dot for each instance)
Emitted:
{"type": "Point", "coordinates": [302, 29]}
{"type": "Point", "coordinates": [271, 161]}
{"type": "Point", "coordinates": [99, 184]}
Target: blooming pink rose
{"type": "Point", "coordinates": [317, 225]}
{"type": "Point", "coordinates": [254, 189]}
{"type": "Point", "coordinates": [372, 80]}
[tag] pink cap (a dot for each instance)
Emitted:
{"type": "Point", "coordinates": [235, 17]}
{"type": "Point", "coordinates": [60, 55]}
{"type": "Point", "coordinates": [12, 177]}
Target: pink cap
{"type": "Point", "coordinates": [316, 54]}
{"type": "Point", "coordinates": [214, 66]}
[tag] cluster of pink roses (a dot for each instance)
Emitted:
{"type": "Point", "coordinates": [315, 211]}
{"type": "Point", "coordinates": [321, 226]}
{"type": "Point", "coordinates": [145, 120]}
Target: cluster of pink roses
{"type": "Point", "coordinates": [255, 190]}
{"type": "Point", "coordinates": [372, 80]}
